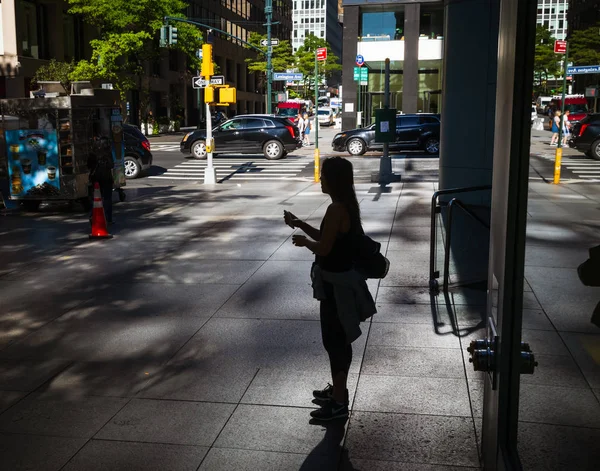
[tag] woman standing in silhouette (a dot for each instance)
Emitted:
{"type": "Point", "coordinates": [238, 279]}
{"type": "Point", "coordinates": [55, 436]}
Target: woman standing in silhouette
{"type": "Point", "coordinates": [343, 293]}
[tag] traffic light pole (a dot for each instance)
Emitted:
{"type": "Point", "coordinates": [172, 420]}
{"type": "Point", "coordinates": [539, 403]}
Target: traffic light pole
{"type": "Point", "coordinates": [210, 175]}
{"type": "Point", "coordinates": [269, 15]}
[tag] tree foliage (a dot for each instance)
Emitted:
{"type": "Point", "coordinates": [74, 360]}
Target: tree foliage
{"type": "Point", "coordinates": [584, 46]}
{"type": "Point", "coordinates": [305, 61]}
{"type": "Point", "coordinates": [56, 71]}
{"type": "Point", "coordinates": [546, 62]}
{"type": "Point", "coordinates": [128, 36]}
{"type": "Point", "coordinates": [282, 57]}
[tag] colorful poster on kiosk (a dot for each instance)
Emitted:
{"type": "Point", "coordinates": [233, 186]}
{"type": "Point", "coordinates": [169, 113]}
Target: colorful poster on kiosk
{"type": "Point", "coordinates": [33, 167]}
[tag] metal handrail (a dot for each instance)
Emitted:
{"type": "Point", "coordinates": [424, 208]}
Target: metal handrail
{"type": "Point", "coordinates": [435, 209]}
{"type": "Point", "coordinates": [455, 202]}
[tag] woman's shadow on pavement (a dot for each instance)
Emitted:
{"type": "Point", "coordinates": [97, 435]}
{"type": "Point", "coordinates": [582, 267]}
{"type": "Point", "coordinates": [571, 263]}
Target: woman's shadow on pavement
{"type": "Point", "coordinates": [329, 454]}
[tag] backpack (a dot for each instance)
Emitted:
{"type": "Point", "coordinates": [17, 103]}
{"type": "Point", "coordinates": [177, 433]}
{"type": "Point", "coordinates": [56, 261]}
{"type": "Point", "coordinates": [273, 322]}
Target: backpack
{"type": "Point", "coordinates": [368, 259]}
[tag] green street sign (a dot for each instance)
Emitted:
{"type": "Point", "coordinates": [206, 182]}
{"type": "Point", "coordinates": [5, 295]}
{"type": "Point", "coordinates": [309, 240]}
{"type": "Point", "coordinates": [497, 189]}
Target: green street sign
{"type": "Point", "coordinates": [361, 74]}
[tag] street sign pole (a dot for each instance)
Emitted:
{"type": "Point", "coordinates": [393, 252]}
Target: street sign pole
{"type": "Point", "coordinates": [558, 155]}
{"type": "Point", "coordinates": [268, 13]}
{"type": "Point", "coordinates": [317, 156]}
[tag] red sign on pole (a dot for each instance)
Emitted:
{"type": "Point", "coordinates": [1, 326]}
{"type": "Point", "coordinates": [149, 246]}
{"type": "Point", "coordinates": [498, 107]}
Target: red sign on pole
{"type": "Point", "coordinates": [560, 47]}
{"type": "Point", "coordinates": [321, 53]}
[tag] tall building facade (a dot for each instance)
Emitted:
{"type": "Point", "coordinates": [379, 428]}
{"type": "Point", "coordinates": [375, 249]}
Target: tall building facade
{"type": "Point", "coordinates": [318, 17]}
{"type": "Point", "coordinates": [553, 15]}
{"type": "Point", "coordinates": [411, 35]}
{"type": "Point", "coordinates": [31, 33]}
{"type": "Point", "coordinates": [34, 32]}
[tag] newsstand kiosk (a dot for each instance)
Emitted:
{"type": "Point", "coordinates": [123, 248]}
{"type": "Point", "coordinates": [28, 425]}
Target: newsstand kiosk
{"type": "Point", "coordinates": [45, 141]}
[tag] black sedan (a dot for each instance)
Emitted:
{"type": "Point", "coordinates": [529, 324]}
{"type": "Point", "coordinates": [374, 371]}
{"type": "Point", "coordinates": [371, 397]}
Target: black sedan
{"type": "Point", "coordinates": [137, 152]}
{"type": "Point", "coordinates": [246, 134]}
{"type": "Point", "coordinates": [586, 136]}
{"type": "Point", "coordinates": [413, 131]}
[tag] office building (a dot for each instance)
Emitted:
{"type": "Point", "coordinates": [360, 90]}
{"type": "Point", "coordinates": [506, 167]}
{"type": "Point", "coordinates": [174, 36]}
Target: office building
{"type": "Point", "coordinates": [411, 35]}
{"type": "Point", "coordinates": [553, 15]}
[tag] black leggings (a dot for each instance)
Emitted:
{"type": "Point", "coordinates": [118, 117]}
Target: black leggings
{"type": "Point", "coordinates": [334, 337]}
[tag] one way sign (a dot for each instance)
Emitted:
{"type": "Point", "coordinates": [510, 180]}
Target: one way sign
{"type": "Point", "coordinates": [199, 82]}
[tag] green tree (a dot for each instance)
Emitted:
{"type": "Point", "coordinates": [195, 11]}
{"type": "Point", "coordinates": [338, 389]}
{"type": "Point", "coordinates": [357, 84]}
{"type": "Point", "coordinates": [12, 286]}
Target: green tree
{"type": "Point", "coordinates": [56, 71]}
{"type": "Point", "coordinates": [129, 37]}
{"type": "Point", "coordinates": [282, 57]}
{"type": "Point", "coordinates": [546, 62]}
{"type": "Point", "coordinates": [305, 62]}
{"type": "Point", "coordinates": [584, 46]}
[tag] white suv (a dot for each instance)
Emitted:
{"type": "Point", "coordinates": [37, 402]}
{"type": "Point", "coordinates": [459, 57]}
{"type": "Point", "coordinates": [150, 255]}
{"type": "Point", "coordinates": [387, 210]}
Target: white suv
{"type": "Point", "coordinates": [325, 116]}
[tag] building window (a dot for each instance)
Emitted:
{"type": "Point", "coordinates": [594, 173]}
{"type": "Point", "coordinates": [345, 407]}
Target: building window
{"type": "Point", "coordinates": [431, 22]}
{"type": "Point", "coordinates": [29, 30]}
{"type": "Point", "coordinates": [382, 25]}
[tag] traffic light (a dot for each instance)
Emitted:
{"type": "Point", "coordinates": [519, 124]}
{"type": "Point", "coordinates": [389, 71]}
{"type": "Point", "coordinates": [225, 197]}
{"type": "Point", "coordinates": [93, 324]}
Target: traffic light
{"type": "Point", "coordinates": [172, 35]}
{"type": "Point", "coordinates": [227, 95]}
{"type": "Point", "coordinates": [208, 68]}
{"type": "Point", "coordinates": [209, 94]}
{"type": "Point", "coordinates": [164, 36]}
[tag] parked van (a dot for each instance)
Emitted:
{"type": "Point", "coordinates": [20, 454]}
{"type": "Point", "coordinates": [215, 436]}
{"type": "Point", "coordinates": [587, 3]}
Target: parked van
{"type": "Point", "coordinates": [542, 103]}
{"type": "Point", "coordinates": [576, 104]}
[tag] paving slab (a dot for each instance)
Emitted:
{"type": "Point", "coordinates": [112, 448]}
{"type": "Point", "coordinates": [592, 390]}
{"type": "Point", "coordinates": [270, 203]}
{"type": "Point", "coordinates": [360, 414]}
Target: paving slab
{"type": "Point", "coordinates": [375, 465]}
{"type": "Point", "coordinates": [405, 313]}
{"type": "Point", "coordinates": [279, 429]}
{"type": "Point", "coordinates": [207, 381]}
{"type": "Point", "coordinates": [108, 378]}
{"type": "Point", "coordinates": [272, 299]}
{"type": "Point", "coordinates": [536, 319]}
{"type": "Point", "coordinates": [544, 342]}
{"type": "Point", "coordinates": [168, 422]}
{"type": "Point", "coordinates": [559, 406]}
{"type": "Point", "coordinates": [421, 439]}
{"type": "Point", "coordinates": [38, 414]}
{"type": "Point", "coordinates": [101, 455]}
{"type": "Point", "coordinates": [410, 335]}
{"type": "Point", "coordinates": [558, 448]}
{"type": "Point", "coordinates": [226, 459]}
{"type": "Point", "coordinates": [151, 338]}
{"type": "Point", "coordinates": [27, 375]}
{"type": "Point", "coordinates": [556, 370]}
{"type": "Point", "coordinates": [264, 343]}
{"type": "Point", "coordinates": [412, 395]}
{"type": "Point", "coordinates": [584, 349]}
{"type": "Point", "coordinates": [35, 452]}
{"type": "Point", "coordinates": [413, 361]}
{"type": "Point", "coordinates": [194, 272]}
{"type": "Point", "coordinates": [290, 388]}
{"type": "Point", "coordinates": [8, 398]}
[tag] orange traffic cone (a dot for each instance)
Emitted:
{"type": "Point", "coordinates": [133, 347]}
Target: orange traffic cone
{"type": "Point", "coordinates": [99, 230]}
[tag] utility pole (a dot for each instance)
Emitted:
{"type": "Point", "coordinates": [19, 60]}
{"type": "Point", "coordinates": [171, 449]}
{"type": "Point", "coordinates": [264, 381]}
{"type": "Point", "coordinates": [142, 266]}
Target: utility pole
{"type": "Point", "coordinates": [269, 15]}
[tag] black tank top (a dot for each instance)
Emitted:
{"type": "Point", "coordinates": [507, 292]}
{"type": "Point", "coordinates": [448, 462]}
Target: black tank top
{"type": "Point", "coordinates": [341, 256]}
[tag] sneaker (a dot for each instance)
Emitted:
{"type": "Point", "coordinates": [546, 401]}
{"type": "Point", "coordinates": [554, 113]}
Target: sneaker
{"type": "Point", "coordinates": [324, 394]}
{"type": "Point", "coordinates": [330, 411]}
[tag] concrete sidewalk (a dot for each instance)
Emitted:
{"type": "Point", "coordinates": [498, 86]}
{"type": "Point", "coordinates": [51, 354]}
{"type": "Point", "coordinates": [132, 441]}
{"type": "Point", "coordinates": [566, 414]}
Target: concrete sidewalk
{"type": "Point", "coordinates": [191, 340]}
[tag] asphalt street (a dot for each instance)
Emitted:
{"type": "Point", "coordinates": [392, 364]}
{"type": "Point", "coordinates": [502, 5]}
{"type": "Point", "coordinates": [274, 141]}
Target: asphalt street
{"type": "Point", "coordinates": [172, 167]}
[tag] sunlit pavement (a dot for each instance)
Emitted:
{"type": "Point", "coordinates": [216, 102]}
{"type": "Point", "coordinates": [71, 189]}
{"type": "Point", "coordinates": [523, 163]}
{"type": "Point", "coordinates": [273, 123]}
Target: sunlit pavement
{"type": "Point", "coordinates": [192, 340]}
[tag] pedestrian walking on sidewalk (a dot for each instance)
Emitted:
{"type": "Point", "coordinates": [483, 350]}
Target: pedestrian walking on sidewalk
{"type": "Point", "coordinates": [555, 128]}
{"type": "Point", "coordinates": [566, 128]}
{"type": "Point", "coordinates": [307, 128]}
{"type": "Point", "coordinates": [100, 164]}
{"type": "Point", "coordinates": [344, 297]}
{"type": "Point", "coordinates": [301, 126]}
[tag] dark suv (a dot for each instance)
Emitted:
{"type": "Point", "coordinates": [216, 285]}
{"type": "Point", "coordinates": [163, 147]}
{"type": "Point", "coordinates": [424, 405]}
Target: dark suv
{"type": "Point", "coordinates": [247, 134]}
{"type": "Point", "coordinates": [413, 131]}
{"type": "Point", "coordinates": [586, 136]}
{"type": "Point", "coordinates": [137, 151]}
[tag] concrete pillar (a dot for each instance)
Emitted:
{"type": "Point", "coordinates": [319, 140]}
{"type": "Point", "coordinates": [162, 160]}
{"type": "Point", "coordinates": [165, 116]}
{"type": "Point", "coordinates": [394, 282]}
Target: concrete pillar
{"type": "Point", "coordinates": [411, 58]}
{"type": "Point", "coordinates": [351, 34]}
{"type": "Point", "coordinates": [468, 120]}
{"type": "Point", "coordinates": [469, 92]}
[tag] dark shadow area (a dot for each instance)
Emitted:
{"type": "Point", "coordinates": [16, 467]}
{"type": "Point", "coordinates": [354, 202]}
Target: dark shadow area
{"type": "Point", "coordinates": [154, 171]}
{"type": "Point", "coordinates": [329, 454]}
